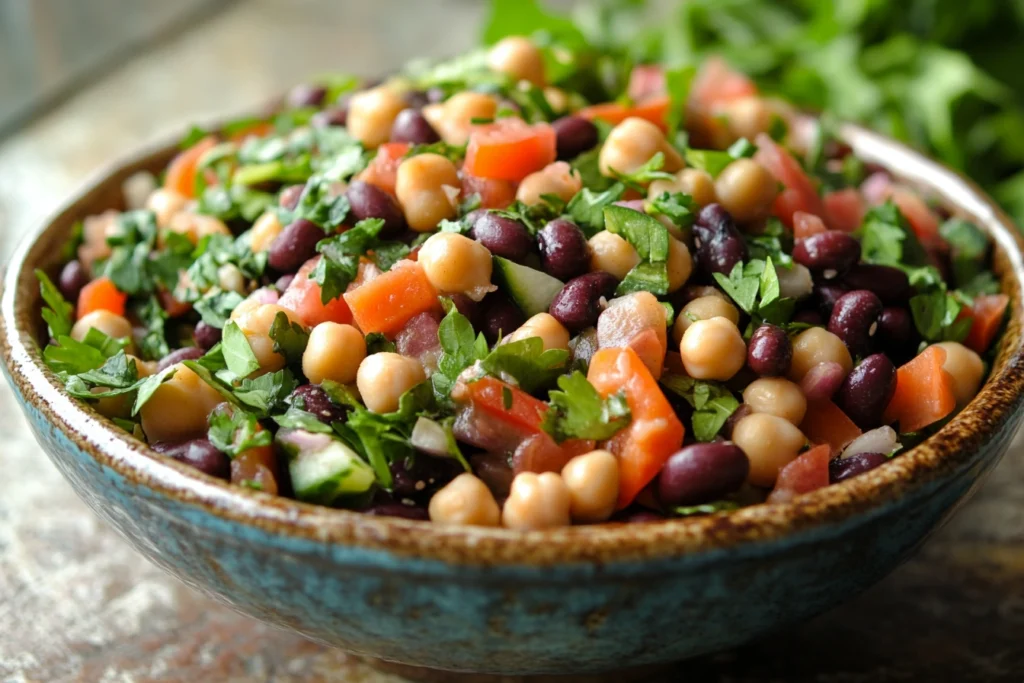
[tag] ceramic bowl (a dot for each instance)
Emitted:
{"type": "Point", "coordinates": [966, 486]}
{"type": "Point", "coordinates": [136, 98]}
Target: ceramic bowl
{"type": "Point", "coordinates": [579, 600]}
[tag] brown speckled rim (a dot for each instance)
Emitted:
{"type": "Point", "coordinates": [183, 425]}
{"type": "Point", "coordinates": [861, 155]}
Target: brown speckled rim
{"type": "Point", "coordinates": [938, 457]}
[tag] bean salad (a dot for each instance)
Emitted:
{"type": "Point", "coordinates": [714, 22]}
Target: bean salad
{"type": "Point", "coordinates": [498, 291]}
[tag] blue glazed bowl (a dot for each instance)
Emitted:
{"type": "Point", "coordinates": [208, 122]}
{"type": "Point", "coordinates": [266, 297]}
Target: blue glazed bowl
{"type": "Point", "coordinates": [582, 600]}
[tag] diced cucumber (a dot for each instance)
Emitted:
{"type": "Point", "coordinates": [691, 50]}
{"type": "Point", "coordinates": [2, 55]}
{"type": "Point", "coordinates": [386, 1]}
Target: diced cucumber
{"type": "Point", "coordinates": [324, 475]}
{"type": "Point", "coordinates": [531, 289]}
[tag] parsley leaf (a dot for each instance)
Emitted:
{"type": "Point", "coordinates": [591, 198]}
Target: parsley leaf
{"type": "Point", "coordinates": [57, 312]}
{"type": "Point", "coordinates": [712, 403]}
{"type": "Point", "coordinates": [680, 208]}
{"type": "Point", "coordinates": [773, 242]}
{"type": "Point", "coordinates": [154, 344]}
{"type": "Point", "coordinates": [460, 348]}
{"type": "Point", "coordinates": [936, 317]}
{"type": "Point", "coordinates": [740, 287]}
{"type": "Point", "coordinates": [340, 262]}
{"type": "Point", "coordinates": [216, 305]}
{"type": "Point", "coordinates": [297, 418]}
{"type": "Point", "coordinates": [526, 362]}
{"type": "Point", "coordinates": [968, 249]}
{"type": "Point", "coordinates": [266, 393]}
{"type": "Point", "coordinates": [233, 431]}
{"type": "Point", "coordinates": [579, 412]}
{"type": "Point", "coordinates": [290, 338]}
{"type": "Point", "coordinates": [378, 343]}
{"type": "Point", "coordinates": [886, 238]}
{"type": "Point", "coordinates": [322, 204]}
{"type": "Point", "coordinates": [148, 386]}
{"type": "Point", "coordinates": [677, 83]}
{"type": "Point", "coordinates": [238, 354]}
{"type": "Point", "coordinates": [650, 171]}
{"type": "Point", "coordinates": [651, 240]}
{"type": "Point", "coordinates": [586, 208]}
{"type": "Point", "coordinates": [71, 357]}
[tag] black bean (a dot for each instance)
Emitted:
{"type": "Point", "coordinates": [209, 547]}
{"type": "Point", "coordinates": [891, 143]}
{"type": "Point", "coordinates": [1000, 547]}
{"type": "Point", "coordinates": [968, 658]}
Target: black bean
{"type": "Point", "coordinates": [282, 283]}
{"type": "Point", "coordinates": [578, 304]}
{"type": "Point", "coordinates": [701, 473]}
{"type": "Point", "coordinates": [842, 469]}
{"type": "Point", "coordinates": [855, 320]}
{"type": "Point", "coordinates": [369, 201]}
{"type": "Point", "coordinates": [770, 351]}
{"type": "Point", "coordinates": [715, 218]}
{"type": "Point", "coordinates": [72, 278]}
{"type": "Point", "coordinates": [826, 296]}
{"type": "Point", "coordinates": [290, 196]}
{"type": "Point", "coordinates": [896, 333]}
{"type": "Point", "coordinates": [198, 453]}
{"type": "Point", "coordinates": [719, 244]}
{"type": "Point", "coordinates": [889, 284]}
{"type": "Point", "coordinates": [306, 95]}
{"type": "Point", "coordinates": [178, 355]}
{"type": "Point", "coordinates": [573, 136]}
{"type": "Point", "coordinates": [412, 126]}
{"type": "Point", "coordinates": [335, 116]}
{"type": "Point", "coordinates": [866, 391]}
{"type": "Point", "coordinates": [206, 336]}
{"type": "Point", "coordinates": [564, 252]}
{"type": "Point", "coordinates": [499, 316]}
{"type": "Point", "coordinates": [294, 246]}
{"type": "Point", "coordinates": [505, 237]}
{"type": "Point", "coordinates": [398, 510]}
{"type": "Point", "coordinates": [313, 399]}
{"type": "Point", "coordinates": [829, 253]}
{"type": "Point", "coordinates": [419, 477]}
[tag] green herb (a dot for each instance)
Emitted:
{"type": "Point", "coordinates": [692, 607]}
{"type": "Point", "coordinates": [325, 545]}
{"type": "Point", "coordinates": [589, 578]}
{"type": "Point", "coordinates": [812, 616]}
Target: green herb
{"type": "Point", "coordinates": [297, 418]}
{"type": "Point", "coordinates": [586, 208]}
{"type": "Point", "coordinates": [128, 266]}
{"type": "Point", "coordinates": [588, 167]}
{"type": "Point", "coordinates": [712, 403]}
{"type": "Point", "coordinates": [968, 249]}
{"type": "Point", "coordinates": [213, 252]}
{"type": "Point", "coordinates": [527, 362]}
{"type": "Point", "coordinates": [983, 283]}
{"type": "Point", "coordinates": [153, 345]}
{"type": "Point", "coordinates": [216, 305]}
{"type": "Point", "coordinates": [378, 343]}
{"type": "Point", "coordinates": [705, 508]}
{"type": "Point", "coordinates": [680, 208]}
{"type": "Point", "coordinates": [340, 262]}
{"type": "Point", "coordinates": [677, 83]}
{"type": "Point", "coordinates": [71, 357]}
{"type": "Point", "coordinates": [290, 338]}
{"type": "Point", "coordinates": [322, 204]}
{"type": "Point", "coordinates": [57, 312]}
{"type": "Point", "coordinates": [266, 394]}
{"type": "Point", "coordinates": [650, 171]}
{"type": "Point", "coordinates": [234, 431]}
{"type": "Point", "coordinates": [651, 240]}
{"type": "Point", "coordinates": [460, 348]}
{"type": "Point", "coordinates": [754, 287]}
{"type": "Point", "coordinates": [579, 412]}
{"type": "Point", "coordinates": [886, 238]}
{"type": "Point", "coordinates": [935, 317]}
{"type": "Point", "coordinates": [233, 202]}
{"type": "Point", "coordinates": [238, 354]}
{"type": "Point", "coordinates": [454, 153]}
{"type": "Point", "coordinates": [774, 242]}
{"type": "Point", "coordinates": [148, 386]}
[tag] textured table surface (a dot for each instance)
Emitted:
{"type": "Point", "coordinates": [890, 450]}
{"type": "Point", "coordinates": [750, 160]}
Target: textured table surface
{"type": "Point", "coordinates": [76, 604]}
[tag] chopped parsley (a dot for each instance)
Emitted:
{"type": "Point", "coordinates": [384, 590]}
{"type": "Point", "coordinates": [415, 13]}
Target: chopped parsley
{"type": "Point", "coordinates": [577, 411]}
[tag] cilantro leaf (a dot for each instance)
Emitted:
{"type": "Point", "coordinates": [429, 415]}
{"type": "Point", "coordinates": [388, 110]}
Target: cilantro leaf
{"type": "Point", "coordinates": [266, 393]}
{"type": "Point", "coordinates": [216, 305]}
{"type": "Point", "coordinates": [651, 240]}
{"type": "Point", "coordinates": [322, 204]}
{"type": "Point", "coordinates": [290, 338]}
{"type": "Point", "coordinates": [773, 242]}
{"type": "Point", "coordinates": [117, 372]}
{"type": "Point", "coordinates": [579, 412]}
{"type": "Point", "coordinates": [586, 208]}
{"type": "Point", "coordinates": [153, 344]}
{"type": "Point", "coordinates": [234, 431]}
{"type": "Point", "coordinates": [340, 262]}
{"type": "Point", "coordinates": [712, 403]}
{"type": "Point", "coordinates": [968, 249]}
{"type": "Point", "coordinates": [886, 238]}
{"type": "Point", "coordinates": [377, 343]}
{"type": "Point", "coordinates": [678, 207]}
{"type": "Point", "coordinates": [297, 418]}
{"type": "Point", "coordinates": [238, 354]}
{"type": "Point", "coordinates": [741, 288]}
{"type": "Point", "coordinates": [71, 357]}
{"type": "Point", "coordinates": [460, 348]}
{"type": "Point", "coordinates": [936, 317]}
{"type": "Point", "coordinates": [148, 386]}
{"type": "Point", "coordinates": [648, 172]}
{"type": "Point", "coordinates": [57, 312]}
{"type": "Point", "coordinates": [526, 361]}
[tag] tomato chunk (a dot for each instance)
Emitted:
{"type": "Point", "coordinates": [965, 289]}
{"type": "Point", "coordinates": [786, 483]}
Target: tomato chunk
{"type": "Point", "coordinates": [494, 194]}
{"type": "Point", "coordinates": [924, 392]}
{"type": "Point", "coordinates": [509, 149]}
{"type": "Point", "coordinates": [101, 294]}
{"type": "Point", "coordinates": [800, 193]}
{"type": "Point", "coordinates": [387, 302]}
{"type": "Point", "coordinates": [825, 423]}
{"type": "Point", "coordinates": [304, 297]}
{"type": "Point", "coordinates": [986, 319]}
{"type": "Point", "coordinates": [653, 109]}
{"type": "Point", "coordinates": [181, 172]}
{"type": "Point", "coordinates": [383, 170]}
{"type": "Point", "coordinates": [844, 209]}
{"type": "Point", "coordinates": [808, 472]}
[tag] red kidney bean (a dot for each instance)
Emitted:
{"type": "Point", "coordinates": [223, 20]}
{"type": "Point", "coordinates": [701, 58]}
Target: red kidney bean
{"type": "Point", "coordinates": [809, 317]}
{"type": "Point", "coordinates": [896, 333]}
{"type": "Point", "coordinates": [719, 244]}
{"type": "Point", "coordinates": [398, 510]}
{"type": "Point", "coordinates": [505, 237]}
{"type": "Point", "coordinates": [564, 252]}
{"type": "Point", "coordinates": [842, 469]}
{"type": "Point", "coordinates": [465, 306]}
{"type": "Point", "coordinates": [198, 453]}
{"type": "Point", "coordinates": [178, 355]}
{"type": "Point", "coordinates": [417, 478]}
{"type": "Point", "coordinates": [573, 136]}
{"type": "Point", "coordinates": [290, 196]}
{"type": "Point", "coordinates": [499, 316]}
{"type": "Point", "coordinates": [306, 95]}
{"type": "Point", "coordinates": [889, 284]}
{"type": "Point", "coordinates": [206, 336]}
{"type": "Point", "coordinates": [335, 116]}
{"type": "Point", "coordinates": [313, 399]}
{"type": "Point", "coordinates": [855, 320]}
{"type": "Point", "coordinates": [294, 246]}
{"type": "Point", "coordinates": [866, 391]}
{"type": "Point", "coordinates": [369, 201]}
{"type": "Point", "coordinates": [72, 278]}
{"type": "Point", "coordinates": [411, 126]}
{"type": "Point", "coordinates": [822, 381]}
{"type": "Point", "coordinates": [830, 253]}
{"type": "Point", "coordinates": [578, 304]}
{"type": "Point", "coordinates": [826, 296]}
{"type": "Point", "coordinates": [770, 351]}
{"type": "Point", "coordinates": [701, 473]}
{"type": "Point", "coordinates": [494, 470]}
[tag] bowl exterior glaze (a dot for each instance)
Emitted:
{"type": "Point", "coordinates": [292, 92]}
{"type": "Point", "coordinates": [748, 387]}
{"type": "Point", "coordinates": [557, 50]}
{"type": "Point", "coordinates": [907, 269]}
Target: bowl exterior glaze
{"type": "Point", "coordinates": [579, 600]}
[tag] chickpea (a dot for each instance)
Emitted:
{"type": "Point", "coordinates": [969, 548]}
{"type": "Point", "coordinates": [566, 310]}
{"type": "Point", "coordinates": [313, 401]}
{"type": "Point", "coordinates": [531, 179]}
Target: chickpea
{"type": "Point", "coordinates": [334, 352]}
{"type": "Point", "coordinates": [631, 144]}
{"type": "Point", "coordinates": [692, 181]}
{"type": "Point", "coordinates": [746, 189]}
{"type": "Point", "coordinates": [749, 117]}
{"type": "Point", "coordinates": [264, 231]}
{"type": "Point", "coordinates": [547, 328]}
{"type": "Point", "coordinates": [593, 483]}
{"type": "Point", "coordinates": [770, 443]}
{"type": "Point", "coordinates": [465, 500]}
{"type": "Point", "coordinates": [111, 324]}
{"type": "Point", "coordinates": [679, 264]}
{"type": "Point", "coordinates": [427, 187]}
{"type": "Point", "coordinates": [817, 345]}
{"type": "Point", "coordinates": [165, 204]}
{"type": "Point", "coordinates": [194, 226]}
{"type": "Point", "coordinates": [456, 264]}
{"type": "Point", "coordinates": [967, 369]}
{"type": "Point", "coordinates": [776, 396]}
{"type": "Point", "coordinates": [371, 114]}
{"type": "Point", "coordinates": [713, 349]}
{"type": "Point", "coordinates": [557, 178]}
{"type": "Point", "coordinates": [613, 254]}
{"type": "Point", "coordinates": [453, 119]}
{"type": "Point", "coordinates": [537, 501]}
{"type": "Point", "coordinates": [383, 378]}
{"type": "Point", "coordinates": [256, 322]}
{"type": "Point", "coordinates": [230, 278]}
{"type": "Point", "coordinates": [178, 409]}
{"type": "Point", "coordinates": [703, 308]}
{"type": "Point", "coordinates": [519, 58]}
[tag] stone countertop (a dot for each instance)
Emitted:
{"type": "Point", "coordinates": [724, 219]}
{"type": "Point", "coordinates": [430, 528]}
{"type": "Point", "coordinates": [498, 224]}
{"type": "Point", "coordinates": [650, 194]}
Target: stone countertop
{"type": "Point", "coordinates": [77, 604]}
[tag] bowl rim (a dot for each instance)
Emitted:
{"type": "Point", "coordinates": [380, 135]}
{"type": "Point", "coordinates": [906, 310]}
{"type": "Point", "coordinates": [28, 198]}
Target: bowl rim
{"type": "Point", "coordinates": [943, 454]}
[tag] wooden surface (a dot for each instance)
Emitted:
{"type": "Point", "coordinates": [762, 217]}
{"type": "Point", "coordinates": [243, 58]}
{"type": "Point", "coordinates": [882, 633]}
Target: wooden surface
{"type": "Point", "coordinates": [76, 604]}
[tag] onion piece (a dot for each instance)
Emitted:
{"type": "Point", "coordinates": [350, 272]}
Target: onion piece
{"type": "Point", "coordinates": [879, 440]}
{"type": "Point", "coordinates": [429, 436]}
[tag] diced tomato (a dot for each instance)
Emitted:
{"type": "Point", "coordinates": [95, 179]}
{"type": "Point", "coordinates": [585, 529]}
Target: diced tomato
{"type": "Point", "coordinates": [101, 294]}
{"type": "Point", "coordinates": [383, 170]}
{"type": "Point", "coordinates": [523, 411]}
{"type": "Point", "coordinates": [924, 392]}
{"type": "Point", "coordinates": [800, 193]}
{"type": "Point", "coordinates": [645, 80]}
{"type": "Point", "coordinates": [986, 318]}
{"type": "Point", "coordinates": [844, 209]}
{"type": "Point", "coordinates": [825, 423]}
{"type": "Point", "coordinates": [181, 172]}
{"type": "Point", "coordinates": [387, 302]}
{"type": "Point", "coordinates": [539, 453]}
{"type": "Point", "coordinates": [807, 224]}
{"type": "Point", "coordinates": [655, 432]}
{"type": "Point", "coordinates": [808, 472]}
{"type": "Point", "coordinates": [303, 297]}
{"type": "Point", "coordinates": [509, 149]}
{"type": "Point", "coordinates": [494, 194]}
{"type": "Point", "coordinates": [653, 109]}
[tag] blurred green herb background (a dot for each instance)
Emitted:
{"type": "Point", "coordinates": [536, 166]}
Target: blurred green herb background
{"type": "Point", "coordinates": [946, 76]}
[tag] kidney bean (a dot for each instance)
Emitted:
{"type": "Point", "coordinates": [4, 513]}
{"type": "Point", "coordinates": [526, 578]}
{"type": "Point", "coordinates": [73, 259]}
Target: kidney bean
{"type": "Point", "coordinates": [719, 244]}
{"type": "Point", "coordinates": [896, 333]}
{"type": "Point", "coordinates": [564, 253]}
{"type": "Point", "coordinates": [842, 469]}
{"type": "Point", "coordinates": [822, 381]}
{"type": "Point", "coordinates": [855, 320]}
{"type": "Point", "coordinates": [290, 196]}
{"type": "Point", "coordinates": [411, 126]}
{"type": "Point", "coordinates": [294, 246]}
{"type": "Point", "coordinates": [505, 237]}
{"type": "Point", "coordinates": [335, 116]}
{"type": "Point", "coordinates": [206, 336]}
{"type": "Point", "coordinates": [829, 253]}
{"type": "Point", "coordinates": [826, 297]}
{"type": "Point", "coordinates": [573, 136]}
{"type": "Point", "coordinates": [770, 351]}
{"type": "Point", "coordinates": [369, 201]}
{"type": "Point", "coordinates": [465, 306]}
{"type": "Point", "coordinates": [419, 477]}
{"type": "Point", "coordinates": [715, 218]}
{"type": "Point", "coordinates": [72, 278]}
{"type": "Point", "coordinates": [702, 472]}
{"type": "Point", "coordinates": [578, 304]}
{"type": "Point", "coordinates": [866, 391]}
{"type": "Point", "coordinates": [889, 284]}
{"type": "Point", "coordinates": [313, 399]}
{"type": "Point", "coordinates": [198, 453]}
{"type": "Point", "coordinates": [178, 355]}
{"type": "Point", "coordinates": [306, 95]}
{"type": "Point", "coordinates": [398, 510]}
{"type": "Point", "coordinates": [499, 316]}
{"type": "Point", "coordinates": [809, 317]}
